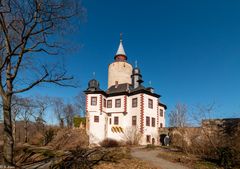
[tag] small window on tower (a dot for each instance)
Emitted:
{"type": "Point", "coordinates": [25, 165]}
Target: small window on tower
{"type": "Point", "coordinates": [161, 125]}
{"type": "Point", "coordinates": [93, 101]}
{"type": "Point", "coordinates": [118, 103]}
{"type": "Point", "coordinates": [109, 104]}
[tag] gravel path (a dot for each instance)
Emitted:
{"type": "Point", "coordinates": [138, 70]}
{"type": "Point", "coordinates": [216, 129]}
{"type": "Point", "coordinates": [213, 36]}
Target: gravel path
{"type": "Point", "coordinates": [150, 156]}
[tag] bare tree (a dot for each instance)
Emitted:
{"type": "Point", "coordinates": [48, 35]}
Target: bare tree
{"type": "Point", "coordinates": [26, 27]}
{"type": "Point", "coordinates": [26, 114]}
{"type": "Point", "coordinates": [58, 108]}
{"type": "Point", "coordinates": [178, 117]}
{"type": "Point", "coordinates": [80, 103]}
{"type": "Point", "coordinates": [16, 108]}
{"type": "Point", "coordinates": [1, 112]}
{"type": "Point", "coordinates": [69, 114]}
{"type": "Point", "coordinates": [41, 104]}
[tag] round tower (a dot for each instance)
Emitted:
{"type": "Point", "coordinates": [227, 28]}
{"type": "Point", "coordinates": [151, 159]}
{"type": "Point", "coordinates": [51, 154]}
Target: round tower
{"type": "Point", "coordinates": [119, 71]}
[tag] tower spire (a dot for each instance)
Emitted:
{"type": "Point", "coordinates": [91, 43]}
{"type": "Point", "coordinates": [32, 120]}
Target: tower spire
{"type": "Point", "coordinates": [120, 55]}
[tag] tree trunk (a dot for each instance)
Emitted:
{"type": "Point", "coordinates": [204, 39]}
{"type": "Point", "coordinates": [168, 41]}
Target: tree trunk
{"type": "Point", "coordinates": [7, 133]}
{"type": "Point", "coordinates": [61, 123]}
{"type": "Point", "coordinates": [14, 127]}
{"type": "Point", "coordinates": [26, 131]}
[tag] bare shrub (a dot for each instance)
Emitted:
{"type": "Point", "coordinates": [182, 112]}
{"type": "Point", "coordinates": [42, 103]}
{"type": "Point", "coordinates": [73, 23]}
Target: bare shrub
{"type": "Point", "coordinates": [37, 139]}
{"type": "Point", "coordinates": [107, 143]}
{"type": "Point", "coordinates": [87, 159]}
{"type": "Point", "coordinates": [48, 136]}
{"type": "Point", "coordinates": [69, 139]}
{"type": "Point", "coordinates": [132, 136]}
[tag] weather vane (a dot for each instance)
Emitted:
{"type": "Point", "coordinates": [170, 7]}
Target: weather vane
{"type": "Point", "coordinates": [150, 83]}
{"type": "Point", "coordinates": [121, 34]}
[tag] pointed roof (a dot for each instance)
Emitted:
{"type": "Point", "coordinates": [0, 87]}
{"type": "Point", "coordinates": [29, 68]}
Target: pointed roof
{"type": "Point", "coordinates": [120, 50]}
{"type": "Point", "coordinates": [120, 55]}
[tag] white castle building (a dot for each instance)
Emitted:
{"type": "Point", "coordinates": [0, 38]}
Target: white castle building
{"type": "Point", "coordinates": [125, 106]}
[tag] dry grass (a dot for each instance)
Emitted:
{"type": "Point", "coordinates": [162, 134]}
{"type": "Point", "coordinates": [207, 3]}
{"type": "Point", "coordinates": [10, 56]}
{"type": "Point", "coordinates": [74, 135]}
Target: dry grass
{"type": "Point", "coordinates": [98, 158]}
{"type": "Point", "coordinates": [125, 163]}
{"type": "Point", "coordinates": [188, 160]}
{"type": "Point", "coordinates": [69, 139]}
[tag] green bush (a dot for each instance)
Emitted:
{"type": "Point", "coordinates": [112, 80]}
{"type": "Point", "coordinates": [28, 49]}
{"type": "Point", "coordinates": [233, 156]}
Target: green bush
{"type": "Point", "coordinates": [78, 120]}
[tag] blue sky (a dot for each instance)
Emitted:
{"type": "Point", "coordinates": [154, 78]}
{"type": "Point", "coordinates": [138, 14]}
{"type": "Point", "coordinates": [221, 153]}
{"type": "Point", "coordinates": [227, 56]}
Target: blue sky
{"type": "Point", "coordinates": [189, 50]}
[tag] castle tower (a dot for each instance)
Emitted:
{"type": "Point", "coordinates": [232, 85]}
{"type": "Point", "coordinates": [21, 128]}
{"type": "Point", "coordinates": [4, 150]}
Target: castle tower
{"type": "Point", "coordinates": [120, 70]}
{"type": "Point", "coordinates": [136, 77]}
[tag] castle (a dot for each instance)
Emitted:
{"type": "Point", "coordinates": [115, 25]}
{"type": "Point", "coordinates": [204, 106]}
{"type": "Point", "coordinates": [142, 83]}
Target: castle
{"type": "Point", "coordinates": [126, 108]}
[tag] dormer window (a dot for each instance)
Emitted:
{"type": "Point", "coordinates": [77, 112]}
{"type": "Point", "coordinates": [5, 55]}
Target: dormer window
{"type": "Point", "coordinates": [93, 101]}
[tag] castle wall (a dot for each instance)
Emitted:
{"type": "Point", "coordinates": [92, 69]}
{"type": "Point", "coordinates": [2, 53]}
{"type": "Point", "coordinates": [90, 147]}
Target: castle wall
{"type": "Point", "coordinates": [151, 113]}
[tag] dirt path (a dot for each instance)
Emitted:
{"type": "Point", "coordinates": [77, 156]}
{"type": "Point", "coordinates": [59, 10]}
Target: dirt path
{"type": "Point", "coordinates": [150, 156]}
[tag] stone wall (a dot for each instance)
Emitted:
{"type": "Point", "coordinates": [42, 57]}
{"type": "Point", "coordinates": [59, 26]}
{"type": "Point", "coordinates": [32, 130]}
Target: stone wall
{"type": "Point", "coordinates": [208, 140]}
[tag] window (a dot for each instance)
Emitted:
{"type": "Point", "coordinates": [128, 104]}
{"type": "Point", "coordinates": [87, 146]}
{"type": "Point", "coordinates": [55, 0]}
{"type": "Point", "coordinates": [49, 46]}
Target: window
{"type": "Point", "coordinates": [104, 103]}
{"type": "Point", "coordinates": [109, 104]}
{"type": "Point", "coordinates": [161, 125]}
{"type": "Point", "coordinates": [116, 121]}
{"type": "Point", "coordinates": [96, 119]}
{"type": "Point", "coordinates": [93, 101]}
{"type": "Point", "coordinates": [110, 121]}
{"type": "Point", "coordinates": [161, 113]}
{"type": "Point", "coordinates": [118, 103]}
{"type": "Point", "coordinates": [147, 121]}
{"type": "Point", "coordinates": [134, 120]}
{"type": "Point", "coordinates": [134, 102]}
{"type": "Point", "coordinates": [150, 103]}
{"type": "Point", "coordinates": [148, 138]}
{"type": "Point", "coordinates": [153, 122]}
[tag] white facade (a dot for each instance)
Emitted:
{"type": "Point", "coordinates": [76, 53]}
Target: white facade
{"type": "Point", "coordinates": [103, 129]}
{"type": "Point", "coordinates": [124, 107]}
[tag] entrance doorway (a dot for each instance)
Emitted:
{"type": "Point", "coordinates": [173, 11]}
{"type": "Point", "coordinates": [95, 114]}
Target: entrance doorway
{"type": "Point", "coordinates": [162, 137]}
